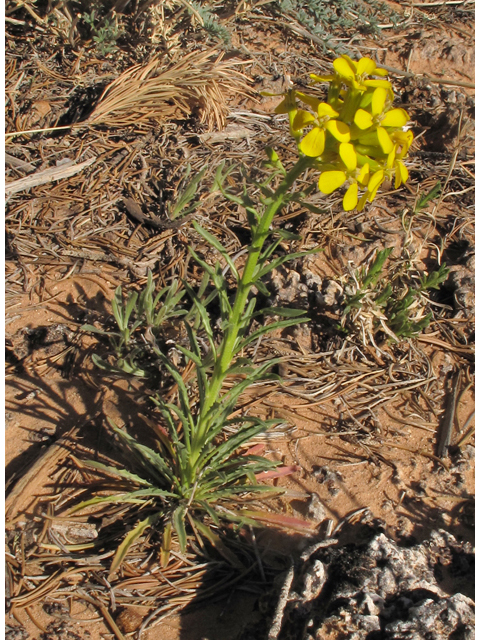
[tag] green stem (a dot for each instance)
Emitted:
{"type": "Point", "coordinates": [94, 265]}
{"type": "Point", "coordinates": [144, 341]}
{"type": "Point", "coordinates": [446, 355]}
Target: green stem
{"type": "Point", "coordinates": [227, 349]}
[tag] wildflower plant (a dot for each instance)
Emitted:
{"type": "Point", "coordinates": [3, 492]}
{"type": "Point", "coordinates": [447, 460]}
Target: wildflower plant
{"type": "Point", "coordinates": [378, 302]}
{"type": "Point", "coordinates": [105, 31]}
{"type": "Point", "coordinates": [199, 472]}
{"type": "Point", "coordinates": [138, 317]}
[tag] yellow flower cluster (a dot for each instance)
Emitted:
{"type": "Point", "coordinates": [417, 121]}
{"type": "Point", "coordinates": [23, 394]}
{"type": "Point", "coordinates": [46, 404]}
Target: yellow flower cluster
{"type": "Point", "coordinates": [356, 136]}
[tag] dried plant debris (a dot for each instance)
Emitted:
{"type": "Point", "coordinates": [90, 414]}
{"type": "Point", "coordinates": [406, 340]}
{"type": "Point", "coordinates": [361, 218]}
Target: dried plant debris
{"type": "Point", "coordinates": [197, 82]}
{"type": "Point", "coordinates": [156, 590]}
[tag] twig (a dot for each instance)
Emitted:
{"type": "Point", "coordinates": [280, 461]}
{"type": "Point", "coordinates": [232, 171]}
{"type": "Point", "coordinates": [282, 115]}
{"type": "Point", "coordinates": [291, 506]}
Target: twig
{"type": "Point", "coordinates": [410, 74]}
{"type": "Point", "coordinates": [468, 351]}
{"type": "Point", "coordinates": [306, 555]}
{"type": "Point", "coordinates": [468, 433]}
{"type": "Point", "coordinates": [28, 131]}
{"type": "Point", "coordinates": [452, 165]}
{"type": "Point", "coordinates": [446, 426]}
{"type": "Point", "coordinates": [14, 21]}
{"type": "Point", "coordinates": [44, 177]}
{"type": "Point", "coordinates": [105, 613]}
{"type": "Point", "coordinates": [282, 603]}
{"type": "Point", "coordinates": [12, 161]}
{"type": "Point", "coordinates": [438, 4]}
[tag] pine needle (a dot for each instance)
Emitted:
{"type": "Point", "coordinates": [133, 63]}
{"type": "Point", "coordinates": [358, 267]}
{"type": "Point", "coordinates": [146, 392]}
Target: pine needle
{"type": "Point", "coordinates": [199, 82]}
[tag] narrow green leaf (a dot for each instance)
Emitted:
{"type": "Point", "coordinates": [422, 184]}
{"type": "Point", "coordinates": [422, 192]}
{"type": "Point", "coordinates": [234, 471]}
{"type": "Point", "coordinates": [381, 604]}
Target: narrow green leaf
{"type": "Point", "coordinates": [282, 311]}
{"type": "Point", "coordinates": [182, 394]}
{"type": "Point", "coordinates": [122, 473]}
{"type": "Point", "coordinates": [268, 252]}
{"type": "Point", "coordinates": [262, 288]}
{"type": "Point", "coordinates": [169, 418]}
{"type": "Point", "coordinates": [425, 199]}
{"type": "Point", "coordinates": [189, 355]}
{"type": "Point", "coordinates": [209, 510]}
{"type": "Point", "coordinates": [279, 261]}
{"type": "Point", "coordinates": [217, 543]}
{"type": "Point", "coordinates": [376, 267]}
{"type": "Point", "coordinates": [166, 545]}
{"type": "Point", "coordinates": [435, 279]}
{"type": "Point", "coordinates": [148, 459]}
{"type": "Point", "coordinates": [247, 316]}
{"type": "Point", "coordinates": [178, 520]}
{"type": "Point", "coordinates": [282, 324]}
{"type": "Point", "coordinates": [189, 192]}
{"type": "Point", "coordinates": [205, 320]}
{"type": "Point", "coordinates": [215, 243]}
{"type": "Point", "coordinates": [117, 308]}
{"type": "Point", "coordinates": [287, 235]}
{"type": "Point", "coordinates": [224, 450]}
{"type": "Point", "coordinates": [130, 538]}
{"type": "Point", "coordinates": [133, 497]}
{"type": "Point", "coordinates": [311, 207]}
{"type": "Point", "coordinates": [118, 370]}
{"type": "Point", "coordinates": [130, 306]}
{"type": "Point", "coordinates": [124, 498]}
{"type": "Point", "coordinates": [92, 329]}
{"type": "Point", "coordinates": [200, 368]}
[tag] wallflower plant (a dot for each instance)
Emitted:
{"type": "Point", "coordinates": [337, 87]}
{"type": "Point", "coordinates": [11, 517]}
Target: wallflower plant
{"type": "Point", "coordinates": [199, 473]}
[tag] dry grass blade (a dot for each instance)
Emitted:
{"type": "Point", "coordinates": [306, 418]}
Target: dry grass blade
{"type": "Point", "coordinates": [200, 81]}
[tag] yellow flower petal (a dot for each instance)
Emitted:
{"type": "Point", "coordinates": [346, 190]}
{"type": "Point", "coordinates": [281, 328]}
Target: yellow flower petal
{"type": "Point", "coordinates": [405, 139]}
{"type": "Point", "coordinates": [331, 180]}
{"type": "Point", "coordinates": [313, 143]}
{"type": "Point", "coordinates": [365, 65]}
{"type": "Point", "coordinates": [348, 155]}
{"type": "Point", "coordinates": [391, 158]}
{"type": "Point", "coordinates": [375, 181]}
{"type": "Point", "coordinates": [352, 63]}
{"type": "Point", "coordinates": [362, 201]}
{"type": "Point", "coordinates": [401, 173]}
{"type": "Point", "coordinates": [395, 118]}
{"type": "Point", "coordinates": [302, 118]}
{"type": "Point", "coordinates": [377, 83]}
{"type": "Point", "coordinates": [372, 194]}
{"type": "Point", "coordinates": [350, 198]}
{"type": "Point", "coordinates": [343, 68]}
{"type": "Point", "coordinates": [363, 119]}
{"type": "Point", "coordinates": [339, 130]}
{"type": "Point", "coordinates": [363, 175]}
{"type": "Point", "coordinates": [378, 100]}
{"type": "Point", "coordinates": [324, 109]}
{"type": "Point", "coordinates": [310, 100]}
{"type": "Point", "coordinates": [380, 72]}
{"type": "Point", "coordinates": [384, 140]}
